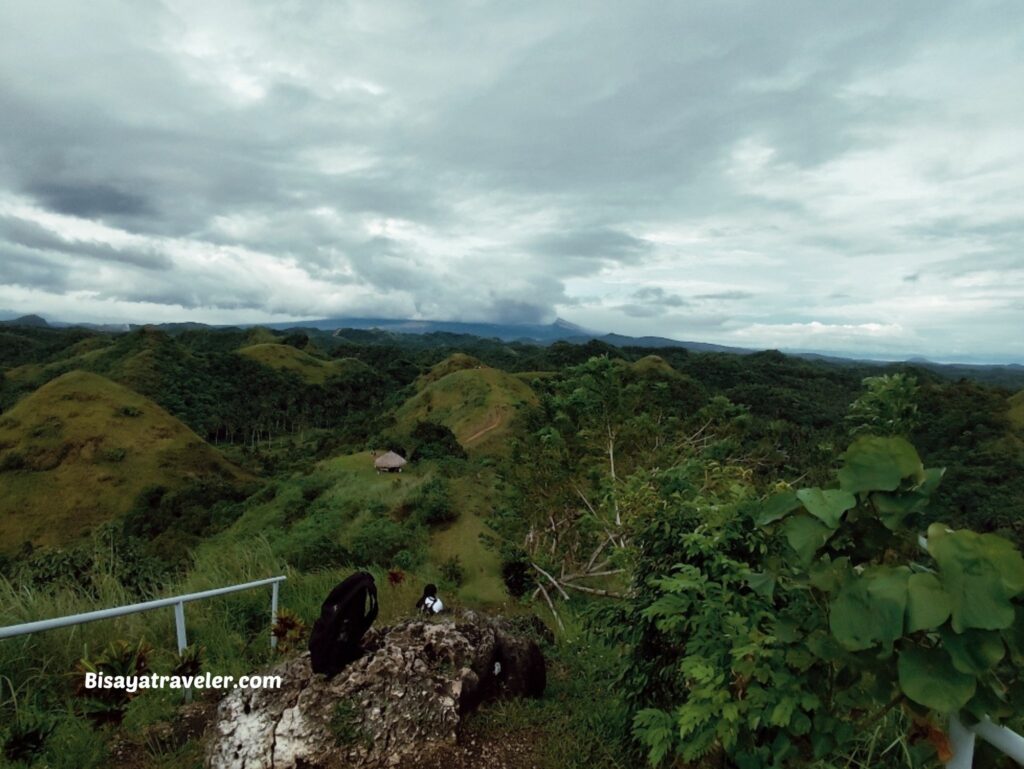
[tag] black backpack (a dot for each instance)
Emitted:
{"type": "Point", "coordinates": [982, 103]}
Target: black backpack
{"type": "Point", "coordinates": [345, 616]}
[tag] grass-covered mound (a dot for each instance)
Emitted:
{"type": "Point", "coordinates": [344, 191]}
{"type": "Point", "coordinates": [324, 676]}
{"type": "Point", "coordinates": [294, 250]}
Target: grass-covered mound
{"type": "Point", "coordinates": [79, 450]}
{"type": "Point", "coordinates": [477, 404]}
{"type": "Point", "coordinates": [312, 370]}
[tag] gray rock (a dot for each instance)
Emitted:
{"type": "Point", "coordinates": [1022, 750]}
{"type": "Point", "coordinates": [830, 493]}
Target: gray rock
{"type": "Point", "coordinates": [403, 700]}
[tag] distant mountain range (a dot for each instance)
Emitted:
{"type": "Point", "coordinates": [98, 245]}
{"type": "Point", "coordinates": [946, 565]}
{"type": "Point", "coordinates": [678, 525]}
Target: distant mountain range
{"type": "Point", "coordinates": [559, 331]}
{"type": "Point", "coordinates": [543, 334]}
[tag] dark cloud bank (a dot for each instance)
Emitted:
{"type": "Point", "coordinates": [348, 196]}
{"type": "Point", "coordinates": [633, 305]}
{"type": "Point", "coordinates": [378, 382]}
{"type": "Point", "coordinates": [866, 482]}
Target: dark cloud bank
{"type": "Point", "coordinates": [803, 175]}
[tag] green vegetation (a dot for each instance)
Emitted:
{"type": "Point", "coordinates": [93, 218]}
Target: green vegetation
{"type": "Point", "coordinates": [725, 546]}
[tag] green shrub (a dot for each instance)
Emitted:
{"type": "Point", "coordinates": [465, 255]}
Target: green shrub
{"type": "Point", "coordinates": [433, 505]}
{"type": "Point", "coordinates": [13, 460]}
{"type": "Point", "coordinates": [24, 739]}
{"type": "Point", "coordinates": [435, 441]}
{"type": "Point", "coordinates": [319, 554]}
{"type": "Point", "coordinates": [378, 541]}
{"type": "Point", "coordinates": [114, 455]}
{"type": "Point", "coordinates": [453, 571]}
{"type": "Point", "coordinates": [781, 644]}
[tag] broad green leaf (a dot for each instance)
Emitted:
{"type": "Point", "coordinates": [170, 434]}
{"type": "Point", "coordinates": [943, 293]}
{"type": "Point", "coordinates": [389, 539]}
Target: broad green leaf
{"type": "Point", "coordinates": [782, 712]}
{"type": "Point", "coordinates": [973, 651]}
{"type": "Point", "coordinates": [827, 506]}
{"type": "Point", "coordinates": [762, 583]}
{"type": "Point", "coordinates": [927, 676]}
{"type": "Point", "coordinates": [826, 575]}
{"type": "Point", "coordinates": [869, 608]}
{"type": "Point", "coordinates": [928, 605]}
{"type": "Point", "coordinates": [777, 507]}
{"type": "Point", "coordinates": [1014, 637]}
{"type": "Point", "coordinates": [805, 535]}
{"type": "Point", "coordinates": [893, 507]}
{"type": "Point", "coordinates": [932, 478]}
{"type": "Point", "coordinates": [879, 464]}
{"type": "Point", "coordinates": [825, 646]}
{"type": "Point", "coordinates": [981, 573]}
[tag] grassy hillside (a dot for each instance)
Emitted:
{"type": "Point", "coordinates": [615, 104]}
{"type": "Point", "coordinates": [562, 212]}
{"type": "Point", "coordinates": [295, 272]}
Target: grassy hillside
{"type": "Point", "coordinates": [342, 498]}
{"type": "Point", "coordinates": [79, 450]}
{"type": "Point", "coordinates": [283, 357]}
{"type": "Point", "coordinates": [476, 404]}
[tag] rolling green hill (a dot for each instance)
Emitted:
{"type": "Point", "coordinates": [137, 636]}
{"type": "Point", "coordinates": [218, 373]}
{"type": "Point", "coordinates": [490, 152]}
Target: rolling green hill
{"type": "Point", "coordinates": [477, 404]}
{"type": "Point", "coordinates": [78, 451]}
{"type": "Point", "coordinates": [283, 357]}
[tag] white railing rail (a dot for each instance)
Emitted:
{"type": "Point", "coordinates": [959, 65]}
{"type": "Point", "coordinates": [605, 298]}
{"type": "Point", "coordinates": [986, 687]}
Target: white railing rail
{"type": "Point", "coordinates": [961, 739]}
{"type": "Point", "coordinates": [178, 602]}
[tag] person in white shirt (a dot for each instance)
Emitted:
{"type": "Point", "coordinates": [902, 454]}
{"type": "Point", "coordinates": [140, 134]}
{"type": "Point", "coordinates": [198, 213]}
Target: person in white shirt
{"type": "Point", "coordinates": [429, 603]}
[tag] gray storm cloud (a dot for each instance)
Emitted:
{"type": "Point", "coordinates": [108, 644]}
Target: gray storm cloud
{"type": "Point", "coordinates": [801, 175]}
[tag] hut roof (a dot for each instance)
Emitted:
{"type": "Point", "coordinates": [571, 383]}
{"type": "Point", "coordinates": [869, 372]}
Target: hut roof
{"type": "Point", "coordinates": [389, 460]}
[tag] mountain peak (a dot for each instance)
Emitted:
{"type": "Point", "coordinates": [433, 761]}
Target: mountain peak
{"type": "Point", "coordinates": [27, 320]}
{"type": "Point", "coordinates": [563, 323]}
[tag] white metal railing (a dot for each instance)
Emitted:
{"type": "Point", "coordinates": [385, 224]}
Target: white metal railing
{"type": "Point", "coordinates": [178, 602]}
{"type": "Point", "coordinates": [961, 740]}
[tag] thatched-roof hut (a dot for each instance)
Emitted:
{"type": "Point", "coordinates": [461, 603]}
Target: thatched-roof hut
{"type": "Point", "coordinates": [389, 463]}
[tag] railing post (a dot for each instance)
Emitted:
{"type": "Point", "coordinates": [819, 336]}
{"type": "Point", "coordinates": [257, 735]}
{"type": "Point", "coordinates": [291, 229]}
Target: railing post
{"type": "Point", "coordinates": [961, 740]}
{"type": "Point", "coordinates": [179, 625]}
{"type": "Point", "coordinates": [273, 614]}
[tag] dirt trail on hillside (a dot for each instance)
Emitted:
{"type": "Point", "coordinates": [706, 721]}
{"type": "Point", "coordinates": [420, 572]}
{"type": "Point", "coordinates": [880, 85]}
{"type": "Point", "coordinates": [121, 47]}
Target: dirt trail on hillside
{"type": "Point", "coordinates": [495, 423]}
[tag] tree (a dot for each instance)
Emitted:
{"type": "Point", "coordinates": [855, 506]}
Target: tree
{"type": "Point", "coordinates": [887, 407]}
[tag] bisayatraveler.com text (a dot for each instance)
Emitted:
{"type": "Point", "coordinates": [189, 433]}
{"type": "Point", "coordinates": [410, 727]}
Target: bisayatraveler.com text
{"type": "Point", "coordinates": [155, 681]}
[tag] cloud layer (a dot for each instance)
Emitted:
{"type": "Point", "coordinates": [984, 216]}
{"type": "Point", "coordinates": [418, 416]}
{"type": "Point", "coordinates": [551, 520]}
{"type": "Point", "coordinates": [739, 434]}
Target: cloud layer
{"type": "Point", "coordinates": [799, 175]}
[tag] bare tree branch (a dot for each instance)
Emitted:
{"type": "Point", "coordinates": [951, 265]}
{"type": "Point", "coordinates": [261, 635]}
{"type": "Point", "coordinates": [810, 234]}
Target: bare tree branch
{"type": "Point", "coordinates": [551, 606]}
{"type": "Point", "coordinates": [594, 591]}
{"type": "Point", "coordinates": [553, 581]}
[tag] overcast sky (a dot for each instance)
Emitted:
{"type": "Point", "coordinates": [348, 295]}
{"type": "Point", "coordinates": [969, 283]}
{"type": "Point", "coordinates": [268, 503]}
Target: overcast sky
{"type": "Point", "coordinates": [803, 175]}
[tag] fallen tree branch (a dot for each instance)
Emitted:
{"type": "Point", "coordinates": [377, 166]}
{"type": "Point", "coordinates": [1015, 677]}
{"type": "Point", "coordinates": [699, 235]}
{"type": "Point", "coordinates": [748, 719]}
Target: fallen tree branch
{"type": "Point", "coordinates": [588, 574]}
{"type": "Point", "coordinates": [594, 591]}
{"type": "Point", "coordinates": [552, 580]}
{"type": "Point", "coordinates": [551, 606]}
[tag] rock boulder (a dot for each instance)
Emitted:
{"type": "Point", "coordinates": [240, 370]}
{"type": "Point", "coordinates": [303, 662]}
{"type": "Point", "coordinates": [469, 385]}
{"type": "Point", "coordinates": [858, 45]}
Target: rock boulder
{"type": "Point", "coordinates": [397, 705]}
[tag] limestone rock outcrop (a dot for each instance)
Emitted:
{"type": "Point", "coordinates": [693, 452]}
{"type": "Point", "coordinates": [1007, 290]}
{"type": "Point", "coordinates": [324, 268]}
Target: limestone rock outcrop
{"type": "Point", "coordinates": [394, 707]}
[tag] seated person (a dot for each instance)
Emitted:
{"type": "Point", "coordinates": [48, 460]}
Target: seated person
{"type": "Point", "coordinates": [429, 603]}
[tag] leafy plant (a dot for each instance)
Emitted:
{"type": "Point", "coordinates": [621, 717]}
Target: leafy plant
{"type": "Point", "coordinates": [189, 661]}
{"type": "Point", "coordinates": [118, 658]}
{"type": "Point", "coordinates": [781, 645]}
{"type": "Point", "coordinates": [289, 630]}
{"type": "Point", "coordinates": [26, 736]}
{"type": "Point", "coordinates": [887, 407]}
